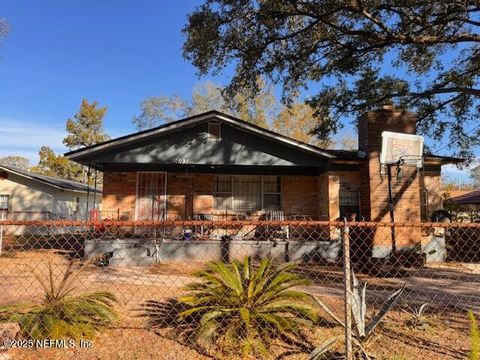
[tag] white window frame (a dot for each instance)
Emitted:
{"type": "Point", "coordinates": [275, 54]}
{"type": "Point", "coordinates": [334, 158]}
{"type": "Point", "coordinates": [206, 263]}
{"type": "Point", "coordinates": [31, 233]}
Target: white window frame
{"type": "Point", "coordinates": [232, 192]}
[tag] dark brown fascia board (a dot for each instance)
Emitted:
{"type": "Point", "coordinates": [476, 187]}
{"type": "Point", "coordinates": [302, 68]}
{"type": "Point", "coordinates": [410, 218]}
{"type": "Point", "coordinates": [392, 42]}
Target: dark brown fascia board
{"type": "Point", "coordinates": [442, 160]}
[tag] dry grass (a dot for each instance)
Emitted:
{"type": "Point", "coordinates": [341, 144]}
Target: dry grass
{"type": "Point", "coordinates": [124, 344]}
{"type": "Point", "coordinates": [447, 337]}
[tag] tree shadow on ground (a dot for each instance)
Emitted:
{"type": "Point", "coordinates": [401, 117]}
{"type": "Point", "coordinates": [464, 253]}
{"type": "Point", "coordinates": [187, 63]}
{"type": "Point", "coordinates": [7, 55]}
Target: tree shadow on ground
{"type": "Point", "coordinates": [447, 290]}
{"type": "Point", "coordinates": [163, 318]}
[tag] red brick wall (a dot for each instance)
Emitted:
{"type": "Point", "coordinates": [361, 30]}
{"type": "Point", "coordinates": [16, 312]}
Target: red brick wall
{"type": "Point", "coordinates": [323, 200]}
{"type": "Point", "coordinates": [119, 193]}
{"type": "Point", "coordinates": [374, 186]}
{"type": "Point", "coordinates": [203, 190]}
{"type": "Point", "coordinates": [179, 195]}
{"type": "Point", "coordinates": [299, 195]}
{"type": "Point", "coordinates": [432, 182]}
{"type": "Point", "coordinates": [187, 193]}
{"type": "Point", "coordinates": [338, 181]}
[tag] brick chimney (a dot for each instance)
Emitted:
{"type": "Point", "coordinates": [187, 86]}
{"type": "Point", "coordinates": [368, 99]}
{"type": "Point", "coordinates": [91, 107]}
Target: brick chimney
{"type": "Point", "coordinates": [372, 123]}
{"type": "Point", "coordinates": [374, 185]}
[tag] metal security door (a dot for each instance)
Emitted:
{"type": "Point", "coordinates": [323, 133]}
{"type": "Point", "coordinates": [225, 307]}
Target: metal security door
{"type": "Point", "coordinates": [151, 196]}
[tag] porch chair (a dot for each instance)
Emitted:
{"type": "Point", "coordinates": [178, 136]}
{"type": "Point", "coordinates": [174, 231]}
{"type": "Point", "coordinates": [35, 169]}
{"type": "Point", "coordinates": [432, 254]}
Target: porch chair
{"type": "Point", "coordinates": [278, 215]}
{"type": "Point", "coordinates": [204, 217]}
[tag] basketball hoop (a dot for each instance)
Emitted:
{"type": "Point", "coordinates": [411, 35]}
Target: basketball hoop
{"type": "Point", "coordinates": [410, 161]}
{"type": "Point", "coordinates": [405, 149]}
{"type": "Point", "coordinates": [399, 150]}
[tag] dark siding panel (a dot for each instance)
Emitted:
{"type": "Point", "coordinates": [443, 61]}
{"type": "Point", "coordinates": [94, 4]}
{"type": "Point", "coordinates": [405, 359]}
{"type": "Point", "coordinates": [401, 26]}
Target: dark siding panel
{"type": "Point", "coordinates": [192, 146]}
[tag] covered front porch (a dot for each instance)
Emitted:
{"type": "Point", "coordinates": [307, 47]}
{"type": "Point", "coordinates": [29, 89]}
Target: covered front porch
{"type": "Point", "coordinates": [234, 195]}
{"type": "Point", "coordinates": [216, 167]}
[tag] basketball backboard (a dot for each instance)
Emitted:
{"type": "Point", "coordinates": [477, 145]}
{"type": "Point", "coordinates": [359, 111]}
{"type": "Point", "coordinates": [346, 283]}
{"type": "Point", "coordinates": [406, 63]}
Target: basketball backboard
{"type": "Point", "coordinates": [405, 149]}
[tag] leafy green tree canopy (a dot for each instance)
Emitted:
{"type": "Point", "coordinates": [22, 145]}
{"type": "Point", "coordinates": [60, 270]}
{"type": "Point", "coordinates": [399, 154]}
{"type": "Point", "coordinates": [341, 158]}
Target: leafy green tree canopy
{"type": "Point", "coordinates": [51, 164]}
{"type": "Point", "coordinates": [86, 128]}
{"type": "Point", "coordinates": [475, 176]}
{"type": "Point", "coordinates": [423, 55]}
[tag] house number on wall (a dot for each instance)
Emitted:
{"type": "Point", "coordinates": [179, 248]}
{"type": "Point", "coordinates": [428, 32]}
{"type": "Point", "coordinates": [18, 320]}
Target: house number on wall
{"type": "Point", "coordinates": [180, 161]}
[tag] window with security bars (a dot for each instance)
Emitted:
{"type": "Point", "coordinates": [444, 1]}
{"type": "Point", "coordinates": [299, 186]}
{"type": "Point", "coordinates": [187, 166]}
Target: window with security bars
{"type": "Point", "coordinates": [247, 193]}
{"type": "Point", "coordinates": [223, 192]}
{"type": "Point", "coordinates": [349, 204]}
{"type": "Point", "coordinates": [272, 193]}
{"type": "Point", "coordinates": [424, 209]}
{"type": "Point", "coordinates": [151, 196]}
{"type": "Point", "coordinates": [4, 203]}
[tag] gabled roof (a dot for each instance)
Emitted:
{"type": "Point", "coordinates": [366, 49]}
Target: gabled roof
{"type": "Point", "coordinates": [470, 198]}
{"type": "Point", "coordinates": [84, 155]}
{"type": "Point", "coordinates": [191, 121]}
{"type": "Point", "coordinates": [50, 180]}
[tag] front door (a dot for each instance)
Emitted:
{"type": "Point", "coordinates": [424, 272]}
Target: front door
{"type": "Point", "coordinates": [151, 196]}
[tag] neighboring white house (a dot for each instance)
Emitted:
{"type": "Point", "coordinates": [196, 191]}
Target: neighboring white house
{"type": "Point", "coordinates": [29, 196]}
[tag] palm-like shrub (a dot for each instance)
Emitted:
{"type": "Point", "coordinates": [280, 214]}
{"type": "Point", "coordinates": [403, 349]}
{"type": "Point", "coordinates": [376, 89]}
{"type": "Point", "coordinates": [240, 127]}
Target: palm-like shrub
{"type": "Point", "coordinates": [243, 307]}
{"type": "Point", "coordinates": [61, 314]}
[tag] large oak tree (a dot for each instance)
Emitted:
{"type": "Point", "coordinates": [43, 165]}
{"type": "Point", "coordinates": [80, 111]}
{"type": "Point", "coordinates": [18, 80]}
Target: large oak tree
{"type": "Point", "coordinates": [419, 54]}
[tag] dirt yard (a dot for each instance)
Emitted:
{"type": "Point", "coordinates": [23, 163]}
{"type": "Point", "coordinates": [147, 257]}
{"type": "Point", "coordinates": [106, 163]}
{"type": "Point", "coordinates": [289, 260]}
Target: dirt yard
{"type": "Point", "coordinates": [450, 289]}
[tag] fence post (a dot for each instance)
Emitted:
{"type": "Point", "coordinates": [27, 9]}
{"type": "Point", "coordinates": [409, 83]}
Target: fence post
{"type": "Point", "coordinates": [348, 290]}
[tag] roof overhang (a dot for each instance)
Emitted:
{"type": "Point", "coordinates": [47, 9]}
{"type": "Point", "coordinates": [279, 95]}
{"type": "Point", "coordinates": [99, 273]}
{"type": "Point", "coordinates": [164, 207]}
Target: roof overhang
{"type": "Point", "coordinates": [441, 160]}
{"type": "Point", "coordinates": [470, 198]}
{"type": "Point", "coordinates": [21, 174]}
{"type": "Point", "coordinates": [91, 155]}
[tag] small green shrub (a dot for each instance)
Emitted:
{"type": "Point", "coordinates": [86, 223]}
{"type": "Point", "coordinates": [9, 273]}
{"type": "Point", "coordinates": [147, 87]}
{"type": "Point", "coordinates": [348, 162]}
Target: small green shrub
{"type": "Point", "coordinates": [417, 318]}
{"type": "Point", "coordinates": [244, 308]}
{"type": "Point", "coordinates": [61, 314]}
{"type": "Point", "coordinates": [365, 328]}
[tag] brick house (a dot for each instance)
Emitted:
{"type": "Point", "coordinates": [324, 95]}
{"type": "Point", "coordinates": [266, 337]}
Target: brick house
{"type": "Point", "coordinates": [216, 166]}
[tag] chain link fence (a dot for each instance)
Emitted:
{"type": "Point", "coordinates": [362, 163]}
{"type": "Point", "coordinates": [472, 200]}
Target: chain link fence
{"type": "Point", "coordinates": [238, 289]}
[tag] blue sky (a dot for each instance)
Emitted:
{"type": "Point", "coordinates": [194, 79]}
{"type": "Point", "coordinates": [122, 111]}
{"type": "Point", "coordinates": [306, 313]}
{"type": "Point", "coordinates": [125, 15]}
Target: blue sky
{"type": "Point", "coordinates": [117, 52]}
